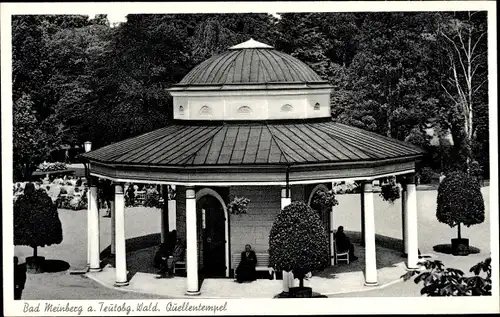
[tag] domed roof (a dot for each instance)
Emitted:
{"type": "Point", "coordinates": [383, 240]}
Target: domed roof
{"type": "Point", "coordinates": [251, 62]}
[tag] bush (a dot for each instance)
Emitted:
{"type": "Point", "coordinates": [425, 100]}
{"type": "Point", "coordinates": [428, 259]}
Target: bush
{"type": "Point", "coordinates": [441, 281]}
{"type": "Point", "coordinates": [298, 241]}
{"type": "Point", "coordinates": [152, 200]}
{"type": "Point", "coordinates": [460, 201]}
{"type": "Point", "coordinates": [36, 220]}
{"type": "Point", "coordinates": [427, 174]}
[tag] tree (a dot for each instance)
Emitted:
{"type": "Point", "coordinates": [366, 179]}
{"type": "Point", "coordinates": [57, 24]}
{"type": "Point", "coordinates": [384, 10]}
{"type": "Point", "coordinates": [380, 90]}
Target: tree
{"type": "Point", "coordinates": [460, 201]}
{"type": "Point", "coordinates": [440, 281]}
{"type": "Point", "coordinates": [298, 241]}
{"type": "Point", "coordinates": [36, 220]}
{"type": "Point", "coordinates": [464, 38]}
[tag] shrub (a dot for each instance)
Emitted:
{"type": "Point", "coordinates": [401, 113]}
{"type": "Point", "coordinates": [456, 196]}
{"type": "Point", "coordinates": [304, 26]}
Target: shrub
{"type": "Point", "coordinates": [460, 201]}
{"type": "Point", "coordinates": [152, 200]}
{"type": "Point", "coordinates": [441, 281]}
{"type": "Point", "coordinates": [298, 241]}
{"type": "Point", "coordinates": [36, 220]}
{"type": "Point", "coordinates": [238, 206]}
{"type": "Point", "coordinates": [426, 174]}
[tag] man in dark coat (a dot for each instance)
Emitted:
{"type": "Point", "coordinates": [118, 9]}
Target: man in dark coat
{"type": "Point", "coordinates": [246, 269]}
{"type": "Point", "coordinates": [19, 278]}
{"type": "Point", "coordinates": [177, 256]}
{"type": "Point", "coordinates": [344, 244]}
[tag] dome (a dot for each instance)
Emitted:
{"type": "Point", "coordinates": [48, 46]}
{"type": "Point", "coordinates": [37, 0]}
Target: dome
{"type": "Point", "coordinates": [251, 62]}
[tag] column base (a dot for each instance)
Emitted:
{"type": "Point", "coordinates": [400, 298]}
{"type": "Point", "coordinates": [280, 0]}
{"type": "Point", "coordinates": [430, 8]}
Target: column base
{"type": "Point", "coordinates": [93, 270]}
{"type": "Point", "coordinates": [121, 284]}
{"type": "Point", "coordinates": [417, 268]}
{"type": "Point", "coordinates": [371, 283]}
{"type": "Point", "coordinates": [193, 293]}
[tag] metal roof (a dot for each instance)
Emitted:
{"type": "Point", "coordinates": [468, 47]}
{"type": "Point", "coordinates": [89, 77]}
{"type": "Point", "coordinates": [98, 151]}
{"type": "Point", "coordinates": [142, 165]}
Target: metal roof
{"type": "Point", "coordinates": [256, 65]}
{"type": "Point", "coordinates": [264, 143]}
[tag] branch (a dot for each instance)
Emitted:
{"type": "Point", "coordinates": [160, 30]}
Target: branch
{"type": "Point", "coordinates": [449, 95]}
{"type": "Point", "coordinates": [477, 42]}
{"type": "Point", "coordinates": [458, 52]}
{"type": "Point", "coordinates": [478, 87]}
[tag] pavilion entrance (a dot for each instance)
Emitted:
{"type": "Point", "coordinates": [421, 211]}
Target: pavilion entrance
{"type": "Point", "coordinates": [213, 236]}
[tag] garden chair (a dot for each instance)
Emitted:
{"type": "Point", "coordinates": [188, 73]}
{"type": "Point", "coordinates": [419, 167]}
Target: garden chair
{"type": "Point", "coordinates": [341, 256]}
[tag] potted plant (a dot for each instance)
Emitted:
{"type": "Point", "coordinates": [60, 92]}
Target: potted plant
{"type": "Point", "coordinates": [390, 191]}
{"type": "Point", "coordinates": [298, 242]}
{"type": "Point", "coordinates": [460, 201]}
{"type": "Point", "coordinates": [238, 206]}
{"type": "Point", "coordinates": [36, 224]}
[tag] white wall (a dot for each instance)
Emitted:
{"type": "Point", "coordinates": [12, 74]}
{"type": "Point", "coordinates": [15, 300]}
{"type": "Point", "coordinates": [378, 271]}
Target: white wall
{"type": "Point", "coordinates": [259, 105]}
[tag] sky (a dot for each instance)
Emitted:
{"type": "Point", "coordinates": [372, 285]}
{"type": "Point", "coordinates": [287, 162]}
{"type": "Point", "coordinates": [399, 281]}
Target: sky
{"type": "Point", "coordinates": [120, 17]}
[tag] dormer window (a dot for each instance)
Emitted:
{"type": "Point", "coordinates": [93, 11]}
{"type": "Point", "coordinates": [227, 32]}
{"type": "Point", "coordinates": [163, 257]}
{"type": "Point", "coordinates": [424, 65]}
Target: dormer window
{"type": "Point", "coordinates": [286, 108]}
{"type": "Point", "coordinates": [205, 111]}
{"type": "Point", "coordinates": [245, 110]}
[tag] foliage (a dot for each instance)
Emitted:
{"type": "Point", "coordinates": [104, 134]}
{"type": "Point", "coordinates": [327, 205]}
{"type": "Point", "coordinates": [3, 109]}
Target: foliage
{"type": "Point", "coordinates": [152, 200]}
{"type": "Point", "coordinates": [77, 79]}
{"type": "Point", "coordinates": [298, 240]}
{"type": "Point", "coordinates": [440, 281]}
{"type": "Point", "coordinates": [459, 200]}
{"type": "Point", "coordinates": [238, 206]}
{"type": "Point", "coordinates": [324, 199]}
{"type": "Point", "coordinates": [49, 167]}
{"type": "Point", "coordinates": [426, 174]}
{"type": "Point", "coordinates": [36, 220]}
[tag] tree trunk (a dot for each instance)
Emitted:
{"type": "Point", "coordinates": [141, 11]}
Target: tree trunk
{"type": "Point", "coordinates": [35, 251]}
{"type": "Point", "coordinates": [301, 283]}
{"type": "Point", "coordinates": [459, 232]}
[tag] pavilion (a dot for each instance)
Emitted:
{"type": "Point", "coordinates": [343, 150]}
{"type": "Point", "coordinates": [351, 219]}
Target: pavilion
{"type": "Point", "coordinates": [251, 122]}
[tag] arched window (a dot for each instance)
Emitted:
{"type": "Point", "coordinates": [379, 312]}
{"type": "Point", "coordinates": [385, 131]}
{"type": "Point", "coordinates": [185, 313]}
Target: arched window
{"type": "Point", "coordinates": [316, 106]}
{"type": "Point", "coordinates": [205, 110]}
{"type": "Point", "coordinates": [244, 109]}
{"type": "Point", "coordinates": [286, 108]}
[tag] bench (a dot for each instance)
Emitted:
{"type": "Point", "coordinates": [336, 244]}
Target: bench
{"type": "Point", "coordinates": [262, 263]}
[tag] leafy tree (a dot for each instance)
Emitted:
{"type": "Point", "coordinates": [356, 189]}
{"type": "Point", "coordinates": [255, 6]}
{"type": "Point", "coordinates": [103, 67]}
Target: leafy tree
{"type": "Point", "coordinates": [36, 220]}
{"type": "Point", "coordinates": [438, 280]}
{"type": "Point", "coordinates": [298, 241]}
{"type": "Point", "coordinates": [463, 37]}
{"type": "Point", "coordinates": [460, 201]}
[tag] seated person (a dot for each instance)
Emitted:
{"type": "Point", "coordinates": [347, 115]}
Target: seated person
{"type": "Point", "coordinates": [344, 244]}
{"type": "Point", "coordinates": [246, 269]}
{"type": "Point", "coordinates": [177, 256]}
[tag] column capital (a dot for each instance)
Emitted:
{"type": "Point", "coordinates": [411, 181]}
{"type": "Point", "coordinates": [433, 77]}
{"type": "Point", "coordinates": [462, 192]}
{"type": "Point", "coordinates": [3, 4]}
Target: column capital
{"type": "Point", "coordinates": [118, 188]}
{"type": "Point", "coordinates": [190, 192]}
{"type": "Point", "coordinates": [368, 186]}
{"type": "Point", "coordinates": [285, 193]}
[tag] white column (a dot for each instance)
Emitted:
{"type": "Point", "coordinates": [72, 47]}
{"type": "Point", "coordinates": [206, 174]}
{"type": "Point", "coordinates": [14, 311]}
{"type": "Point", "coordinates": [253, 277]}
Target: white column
{"type": "Point", "coordinates": [191, 243]}
{"type": "Point", "coordinates": [172, 214]}
{"type": "Point", "coordinates": [411, 222]}
{"type": "Point", "coordinates": [88, 227]}
{"type": "Point", "coordinates": [113, 227]}
{"type": "Point", "coordinates": [95, 263]}
{"type": "Point", "coordinates": [370, 251]}
{"type": "Point", "coordinates": [404, 213]}
{"type": "Point", "coordinates": [288, 278]}
{"type": "Point", "coordinates": [362, 199]}
{"type": "Point", "coordinates": [120, 249]}
{"type": "Point", "coordinates": [332, 246]}
{"type": "Point", "coordinates": [286, 197]}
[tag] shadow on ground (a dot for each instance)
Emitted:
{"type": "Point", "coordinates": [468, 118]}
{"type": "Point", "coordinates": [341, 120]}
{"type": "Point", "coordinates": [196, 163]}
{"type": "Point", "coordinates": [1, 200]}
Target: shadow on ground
{"type": "Point", "coordinates": [140, 254]}
{"type": "Point", "coordinates": [388, 255]}
{"type": "Point", "coordinates": [446, 249]}
{"type": "Point", "coordinates": [50, 266]}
